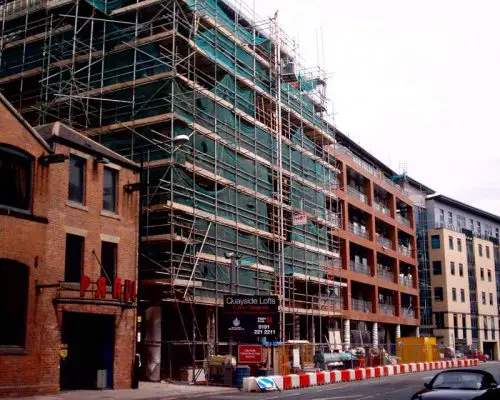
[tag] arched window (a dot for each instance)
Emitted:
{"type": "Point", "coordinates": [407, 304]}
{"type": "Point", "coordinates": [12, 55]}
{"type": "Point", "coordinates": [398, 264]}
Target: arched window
{"type": "Point", "coordinates": [14, 279]}
{"type": "Point", "coordinates": [16, 169]}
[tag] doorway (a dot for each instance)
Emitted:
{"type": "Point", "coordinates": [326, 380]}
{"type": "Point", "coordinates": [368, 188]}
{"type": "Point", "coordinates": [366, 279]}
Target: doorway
{"type": "Point", "coordinates": [90, 340]}
{"type": "Point", "coordinates": [489, 349]}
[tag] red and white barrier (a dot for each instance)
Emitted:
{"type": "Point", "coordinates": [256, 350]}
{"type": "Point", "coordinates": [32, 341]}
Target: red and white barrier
{"type": "Point", "coordinates": [308, 379]}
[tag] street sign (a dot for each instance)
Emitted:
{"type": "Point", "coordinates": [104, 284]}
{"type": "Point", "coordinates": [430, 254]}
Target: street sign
{"type": "Point", "coordinates": [250, 317]}
{"type": "Point", "coordinates": [249, 354]}
{"type": "Point", "coordinates": [265, 383]}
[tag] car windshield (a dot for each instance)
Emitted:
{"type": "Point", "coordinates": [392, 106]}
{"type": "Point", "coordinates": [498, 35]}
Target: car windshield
{"type": "Point", "coordinates": [458, 380]}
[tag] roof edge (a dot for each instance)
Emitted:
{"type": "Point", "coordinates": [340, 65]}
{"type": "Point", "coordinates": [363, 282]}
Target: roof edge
{"type": "Point", "coordinates": [448, 200]}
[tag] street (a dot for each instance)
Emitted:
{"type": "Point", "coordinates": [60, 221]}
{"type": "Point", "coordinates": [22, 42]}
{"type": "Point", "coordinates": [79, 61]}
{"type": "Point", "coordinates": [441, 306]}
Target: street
{"type": "Point", "coordinates": [387, 388]}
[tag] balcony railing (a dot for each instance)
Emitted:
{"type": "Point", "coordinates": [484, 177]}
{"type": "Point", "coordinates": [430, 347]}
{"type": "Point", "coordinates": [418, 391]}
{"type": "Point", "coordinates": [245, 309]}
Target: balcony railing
{"type": "Point", "coordinates": [386, 309]}
{"type": "Point", "coordinates": [405, 251]}
{"type": "Point", "coordinates": [385, 274]}
{"type": "Point", "coordinates": [407, 312]}
{"type": "Point", "coordinates": [385, 242]}
{"type": "Point", "coordinates": [383, 209]}
{"type": "Point", "coordinates": [357, 194]}
{"type": "Point", "coordinates": [360, 268]}
{"type": "Point", "coordinates": [406, 281]}
{"type": "Point", "coordinates": [362, 305]}
{"type": "Point", "coordinates": [359, 230]}
{"type": "Point", "coordinates": [403, 220]}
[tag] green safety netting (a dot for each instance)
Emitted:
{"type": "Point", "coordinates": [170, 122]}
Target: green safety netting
{"type": "Point", "coordinates": [106, 6]}
{"type": "Point", "coordinates": [212, 8]}
{"type": "Point", "coordinates": [311, 234]}
{"type": "Point", "coordinates": [303, 261]}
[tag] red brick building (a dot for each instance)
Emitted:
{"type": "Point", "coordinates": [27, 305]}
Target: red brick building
{"type": "Point", "coordinates": [68, 260]}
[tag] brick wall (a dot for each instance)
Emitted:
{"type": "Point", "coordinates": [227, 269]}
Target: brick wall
{"type": "Point", "coordinates": [41, 246]}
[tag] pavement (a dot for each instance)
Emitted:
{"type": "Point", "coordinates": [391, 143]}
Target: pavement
{"type": "Point", "coordinates": [397, 387]}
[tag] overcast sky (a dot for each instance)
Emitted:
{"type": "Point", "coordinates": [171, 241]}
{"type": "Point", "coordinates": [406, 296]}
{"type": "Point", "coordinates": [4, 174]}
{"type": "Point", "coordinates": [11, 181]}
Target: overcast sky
{"type": "Point", "coordinates": [415, 82]}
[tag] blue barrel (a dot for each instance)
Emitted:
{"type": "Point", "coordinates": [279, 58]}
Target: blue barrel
{"type": "Point", "coordinates": [240, 372]}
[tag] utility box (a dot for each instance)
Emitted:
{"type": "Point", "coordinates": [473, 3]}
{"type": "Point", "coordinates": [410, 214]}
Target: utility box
{"type": "Point", "coordinates": [417, 349]}
{"type": "Point", "coordinates": [102, 379]}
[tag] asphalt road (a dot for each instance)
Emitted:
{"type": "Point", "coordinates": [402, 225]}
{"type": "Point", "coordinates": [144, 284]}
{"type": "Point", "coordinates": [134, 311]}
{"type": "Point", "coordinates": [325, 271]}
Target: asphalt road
{"type": "Point", "coordinates": [399, 387]}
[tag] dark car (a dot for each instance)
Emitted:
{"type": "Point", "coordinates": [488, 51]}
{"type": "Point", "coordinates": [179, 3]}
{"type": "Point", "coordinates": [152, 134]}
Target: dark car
{"type": "Point", "coordinates": [460, 384]}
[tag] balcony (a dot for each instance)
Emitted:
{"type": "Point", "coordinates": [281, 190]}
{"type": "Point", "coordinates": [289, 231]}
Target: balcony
{"type": "Point", "coordinates": [385, 274]}
{"type": "Point", "coordinates": [405, 251]}
{"type": "Point", "coordinates": [357, 194]}
{"type": "Point", "coordinates": [403, 220]}
{"type": "Point", "coordinates": [386, 309]}
{"type": "Point", "coordinates": [407, 312]}
{"type": "Point", "coordinates": [359, 230]}
{"type": "Point", "coordinates": [406, 280]}
{"type": "Point", "coordinates": [384, 242]}
{"type": "Point", "coordinates": [383, 209]}
{"type": "Point", "coordinates": [360, 268]}
{"type": "Point", "coordinates": [362, 305]}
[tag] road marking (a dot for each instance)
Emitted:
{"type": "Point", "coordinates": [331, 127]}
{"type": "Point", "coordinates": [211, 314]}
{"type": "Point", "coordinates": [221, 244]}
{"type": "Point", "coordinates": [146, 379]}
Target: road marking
{"type": "Point", "coordinates": [354, 396]}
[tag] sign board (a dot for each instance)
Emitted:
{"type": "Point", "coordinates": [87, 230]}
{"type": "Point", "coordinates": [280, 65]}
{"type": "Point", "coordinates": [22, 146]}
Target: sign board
{"type": "Point", "coordinates": [265, 383]}
{"type": "Point", "coordinates": [125, 291]}
{"type": "Point", "coordinates": [299, 219]}
{"type": "Point", "coordinates": [250, 317]}
{"type": "Point", "coordinates": [249, 354]}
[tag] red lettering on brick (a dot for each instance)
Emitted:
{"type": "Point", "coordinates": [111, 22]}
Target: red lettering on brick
{"type": "Point", "coordinates": [128, 290]}
{"type": "Point", "coordinates": [133, 291]}
{"type": "Point", "coordinates": [84, 284]}
{"type": "Point", "coordinates": [101, 288]}
{"type": "Point", "coordinates": [117, 289]}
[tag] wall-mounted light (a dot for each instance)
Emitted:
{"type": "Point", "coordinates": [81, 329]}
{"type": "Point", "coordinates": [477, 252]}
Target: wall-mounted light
{"type": "Point", "coordinates": [102, 160]}
{"type": "Point", "coordinates": [133, 187]}
{"type": "Point", "coordinates": [52, 159]}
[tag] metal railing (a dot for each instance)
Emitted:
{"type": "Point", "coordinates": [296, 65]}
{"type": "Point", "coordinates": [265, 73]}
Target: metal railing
{"type": "Point", "coordinates": [403, 220]}
{"type": "Point", "coordinates": [357, 194]}
{"type": "Point", "coordinates": [385, 274]}
{"type": "Point", "coordinates": [405, 251]}
{"type": "Point", "coordinates": [386, 309]}
{"type": "Point", "coordinates": [362, 305]}
{"type": "Point", "coordinates": [406, 281]}
{"type": "Point", "coordinates": [383, 209]}
{"type": "Point", "coordinates": [360, 268]}
{"type": "Point", "coordinates": [385, 242]}
{"type": "Point", "coordinates": [407, 312]}
{"type": "Point", "coordinates": [358, 231]}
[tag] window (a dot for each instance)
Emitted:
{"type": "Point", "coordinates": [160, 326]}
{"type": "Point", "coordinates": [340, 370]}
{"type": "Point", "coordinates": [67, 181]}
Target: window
{"type": "Point", "coordinates": [441, 215]}
{"type": "Point", "coordinates": [452, 267]}
{"type": "Point", "coordinates": [461, 221]}
{"type": "Point", "coordinates": [483, 297]}
{"type": "Point", "coordinates": [436, 241]}
{"type": "Point", "coordinates": [487, 251]}
{"type": "Point", "coordinates": [436, 268]}
{"type": "Point", "coordinates": [108, 261]}
{"type": "Point", "coordinates": [454, 294]}
{"type": "Point", "coordinates": [464, 326]}
{"type": "Point", "coordinates": [459, 245]}
{"type": "Point", "coordinates": [450, 242]}
{"type": "Point", "coordinates": [485, 323]}
{"type": "Point", "coordinates": [15, 178]}
{"type": "Point", "coordinates": [109, 191]}
{"type": "Point", "coordinates": [493, 328]}
{"type": "Point", "coordinates": [471, 223]}
{"type": "Point", "coordinates": [480, 249]}
{"type": "Point", "coordinates": [489, 275]}
{"type": "Point", "coordinates": [491, 299]}
{"type": "Point", "coordinates": [14, 279]}
{"type": "Point", "coordinates": [450, 217]}
{"type": "Point", "coordinates": [438, 293]}
{"type": "Point", "coordinates": [455, 325]}
{"type": "Point", "coordinates": [461, 269]}
{"type": "Point", "coordinates": [462, 295]}
{"type": "Point", "coordinates": [73, 268]}
{"type": "Point", "coordinates": [478, 227]}
{"type": "Point", "coordinates": [497, 233]}
{"type": "Point", "coordinates": [481, 273]}
{"type": "Point", "coordinates": [76, 188]}
{"type": "Point", "coordinates": [439, 316]}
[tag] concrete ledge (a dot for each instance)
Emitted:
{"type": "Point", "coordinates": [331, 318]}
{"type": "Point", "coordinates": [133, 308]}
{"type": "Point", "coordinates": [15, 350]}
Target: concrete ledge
{"type": "Point", "coordinates": [295, 381]}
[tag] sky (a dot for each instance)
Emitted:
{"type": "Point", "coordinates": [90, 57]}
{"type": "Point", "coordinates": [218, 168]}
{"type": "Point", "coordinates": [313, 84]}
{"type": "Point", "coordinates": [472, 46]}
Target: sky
{"type": "Point", "coordinates": [416, 83]}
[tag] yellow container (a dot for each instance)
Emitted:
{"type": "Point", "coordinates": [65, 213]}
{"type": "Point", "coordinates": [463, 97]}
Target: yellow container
{"type": "Point", "coordinates": [417, 349]}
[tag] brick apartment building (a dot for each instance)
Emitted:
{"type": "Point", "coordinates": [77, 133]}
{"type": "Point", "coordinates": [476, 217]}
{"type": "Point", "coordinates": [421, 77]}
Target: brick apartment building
{"type": "Point", "coordinates": [68, 260]}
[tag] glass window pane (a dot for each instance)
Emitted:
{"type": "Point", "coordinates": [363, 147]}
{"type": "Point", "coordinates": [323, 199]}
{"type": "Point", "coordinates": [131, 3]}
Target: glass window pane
{"type": "Point", "coordinates": [76, 179]}
{"type": "Point", "coordinates": [15, 179]}
{"type": "Point", "coordinates": [109, 189]}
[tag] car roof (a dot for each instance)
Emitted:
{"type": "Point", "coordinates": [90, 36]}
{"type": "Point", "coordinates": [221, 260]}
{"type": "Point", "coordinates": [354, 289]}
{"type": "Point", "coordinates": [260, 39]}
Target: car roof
{"type": "Point", "coordinates": [467, 370]}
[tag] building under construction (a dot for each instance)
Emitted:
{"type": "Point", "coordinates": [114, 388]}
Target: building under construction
{"type": "Point", "coordinates": [247, 186]}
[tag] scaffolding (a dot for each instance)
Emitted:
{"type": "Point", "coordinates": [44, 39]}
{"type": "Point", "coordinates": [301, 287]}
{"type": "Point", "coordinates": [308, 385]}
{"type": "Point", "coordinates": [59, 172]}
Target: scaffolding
{"type": "Point", "coordinates": [257, 175]}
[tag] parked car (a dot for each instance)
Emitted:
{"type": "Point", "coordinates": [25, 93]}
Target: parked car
{"type": "Point", "coordinates": [462, 384]}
